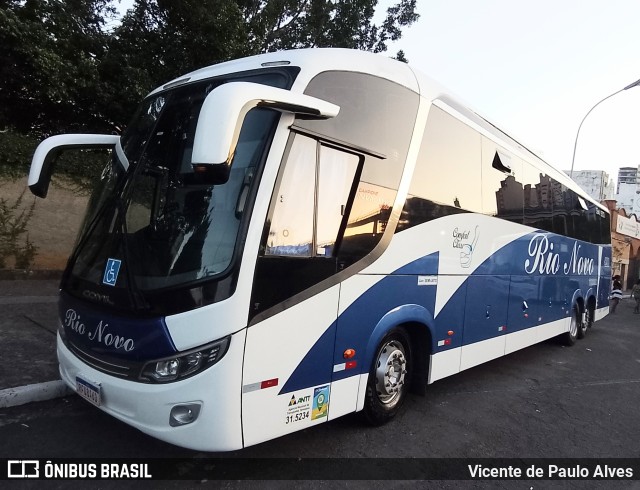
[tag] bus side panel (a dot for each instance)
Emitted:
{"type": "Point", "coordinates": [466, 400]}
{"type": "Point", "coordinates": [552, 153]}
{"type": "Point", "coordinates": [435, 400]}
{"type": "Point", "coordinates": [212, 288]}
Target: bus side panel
{"type": "Point", "coordinates": [485, 322]}
{"type": "Point", "coordinates": [523, 313]}
{"type": "Point", "coordinates": [278, 396]}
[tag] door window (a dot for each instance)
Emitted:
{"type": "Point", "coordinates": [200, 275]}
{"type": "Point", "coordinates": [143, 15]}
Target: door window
{"type": "Point", "coordinates": [311, 200]}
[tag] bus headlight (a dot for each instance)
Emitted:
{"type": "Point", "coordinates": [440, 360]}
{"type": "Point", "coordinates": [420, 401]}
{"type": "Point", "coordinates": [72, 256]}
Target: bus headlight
{"type": "Point", "coordinates": [185, 364]}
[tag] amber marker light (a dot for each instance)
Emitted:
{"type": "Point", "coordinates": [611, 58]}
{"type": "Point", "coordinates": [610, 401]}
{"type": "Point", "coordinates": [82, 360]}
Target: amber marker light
{"type": "Point", "coordinates": [349, 354]}
{"type": "Point", "coordinates": [450, 333]}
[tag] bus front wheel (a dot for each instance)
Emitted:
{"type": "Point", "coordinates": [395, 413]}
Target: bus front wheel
{"type": "Point", "coordinates": [388, 382]}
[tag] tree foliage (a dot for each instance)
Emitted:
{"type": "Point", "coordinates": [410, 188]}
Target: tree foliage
{"type": "Point", "coordinates": [48, 64]}
{"type": "Point", "coordinates": [62, 69]}
{"type": "Point", "coordinates": [161, 39]}
{"type": "Point", "coordinates": [15, 245]}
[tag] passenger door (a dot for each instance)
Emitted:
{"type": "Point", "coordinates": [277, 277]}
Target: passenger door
{"type": "Point", "coordinates": [289, 347]}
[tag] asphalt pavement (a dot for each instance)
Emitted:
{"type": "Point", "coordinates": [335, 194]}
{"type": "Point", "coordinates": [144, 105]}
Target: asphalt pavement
{"type": "Point", "coordinates": [28, 323]}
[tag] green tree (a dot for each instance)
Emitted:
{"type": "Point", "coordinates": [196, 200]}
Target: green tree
{"type": "Point", "coordinates": [48, 64]}
{"type": "Point", "coordinates": [15, 154]}
{"type": "Point", "coordinates": [161, 39]}
{"type": "Point", "coordinates": [14, 241]}
{"type": "Point", "coordinates": [283, 24]}
{"type": "Point", "coordinates": [62, 71]}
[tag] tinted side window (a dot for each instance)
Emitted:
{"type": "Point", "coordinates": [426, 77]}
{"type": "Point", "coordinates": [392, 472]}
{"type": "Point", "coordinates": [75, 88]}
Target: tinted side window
{"type": "Point", "coordinates": [336, 172]}
{"type": "Point", "coordinates": [448, 168]}
{"type": "Point", "coordinates": [538, 200]}
{"type": "Point", "coordinates": [502, 188]}
{"type": "Point", "coordinates": [594, 226]}
{"type": "Point", "coordinates": [375, 114]}
{"type": "Point", "coordinates": [367, 222]}
{"type": "Point", "coordinates": [446, 179]}
{"type": "Point", "coordinates": [605, 228]}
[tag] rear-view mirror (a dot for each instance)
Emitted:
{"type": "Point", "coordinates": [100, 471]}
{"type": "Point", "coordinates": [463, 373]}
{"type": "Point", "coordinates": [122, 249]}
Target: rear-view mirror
{"type": "Point", "coordinates": [47, 152]}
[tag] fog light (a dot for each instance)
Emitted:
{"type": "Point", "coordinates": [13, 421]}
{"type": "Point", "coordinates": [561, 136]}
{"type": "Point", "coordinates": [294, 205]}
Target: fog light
{"type": "Point", "coordinates": [184, 414]}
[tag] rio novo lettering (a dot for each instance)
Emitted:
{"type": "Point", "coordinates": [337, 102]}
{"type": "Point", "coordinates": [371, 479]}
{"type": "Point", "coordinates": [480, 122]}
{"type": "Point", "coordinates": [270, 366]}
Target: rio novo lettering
{"type": "Point", "coordinates": [100, 334]}
{"type": "Point", "coordinates": [543, 259]}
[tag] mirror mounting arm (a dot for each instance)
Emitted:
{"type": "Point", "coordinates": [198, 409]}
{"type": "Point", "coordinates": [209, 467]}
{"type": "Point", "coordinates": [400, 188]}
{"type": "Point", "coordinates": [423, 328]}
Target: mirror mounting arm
{"type": "Point", "coordinates": [47, 152]}
{"type": "Point", "coordinates": [223, 112]}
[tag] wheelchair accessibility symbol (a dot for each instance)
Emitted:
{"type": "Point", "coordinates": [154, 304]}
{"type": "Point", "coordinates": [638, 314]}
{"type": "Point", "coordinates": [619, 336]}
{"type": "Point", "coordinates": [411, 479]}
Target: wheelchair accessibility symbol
{"type": "Point", "coordinates": [111, 272]}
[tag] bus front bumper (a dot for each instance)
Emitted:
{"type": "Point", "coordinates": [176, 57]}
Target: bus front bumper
{"type": "Point", "coordinates": [147, 407]}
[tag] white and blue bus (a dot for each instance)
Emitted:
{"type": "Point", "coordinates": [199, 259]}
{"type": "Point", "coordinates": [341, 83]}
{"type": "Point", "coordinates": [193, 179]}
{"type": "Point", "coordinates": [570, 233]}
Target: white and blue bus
{"type": "Point", "coordinates": [284, 239]}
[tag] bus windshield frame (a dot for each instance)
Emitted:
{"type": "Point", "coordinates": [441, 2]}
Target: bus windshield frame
{"type": "Point", "coordinates": [160, 225]}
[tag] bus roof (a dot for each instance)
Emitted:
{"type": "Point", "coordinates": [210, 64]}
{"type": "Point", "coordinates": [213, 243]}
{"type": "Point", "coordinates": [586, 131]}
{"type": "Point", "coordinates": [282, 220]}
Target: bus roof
{"type": "Point", "coordinates": [313, 61]}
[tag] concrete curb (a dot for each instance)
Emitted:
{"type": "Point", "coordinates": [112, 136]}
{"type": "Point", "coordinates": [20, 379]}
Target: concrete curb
{"type": "Point", "coordinates": [38, 392]}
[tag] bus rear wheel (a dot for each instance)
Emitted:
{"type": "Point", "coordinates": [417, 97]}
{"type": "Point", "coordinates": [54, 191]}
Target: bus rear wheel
{"type": "Point", "coordinates": [582, 325]}
{"type": "Point", "coordinates": [569, 338]}
{"type": "Point", "coordinates": [388, 382]}
{"type": "Point", "coordinates": [590, 316]}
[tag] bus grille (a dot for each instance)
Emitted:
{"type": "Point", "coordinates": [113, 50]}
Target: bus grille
{"type": "Point", "coordinates": [107, 364]}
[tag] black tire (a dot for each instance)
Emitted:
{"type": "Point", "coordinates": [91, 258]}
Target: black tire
{"type": "Point", "coordinates": [388, 382]}
{"type": "Point", "coordinates": [590, 315]}
{"type": "Point", "coordinates": [582, 327]}
{"type": "Point", "coordinates": [571, 336]}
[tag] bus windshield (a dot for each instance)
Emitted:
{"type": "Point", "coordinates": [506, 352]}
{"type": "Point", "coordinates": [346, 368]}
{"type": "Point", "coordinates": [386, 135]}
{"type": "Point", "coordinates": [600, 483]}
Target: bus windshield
{"type": "Point", "coordinates": [159, 224]}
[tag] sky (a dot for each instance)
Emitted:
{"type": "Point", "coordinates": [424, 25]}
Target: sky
{"type": "Point", "coordinates": [535, 69]}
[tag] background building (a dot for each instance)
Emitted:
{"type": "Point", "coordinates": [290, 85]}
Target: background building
{"type": "Point", "coordinates": [627, 175]}
{"type": "Point", "coordinates": [596, 183]}
{"type": "Point", "coordinates": [627, 191]}
{"type": "Point", "coordinates": [628, 197]}
{"type": "Point", "coordinates": [625, 245]}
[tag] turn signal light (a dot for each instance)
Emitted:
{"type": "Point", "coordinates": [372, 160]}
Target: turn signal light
{"type": "Point", "coordinates": [349, 354]}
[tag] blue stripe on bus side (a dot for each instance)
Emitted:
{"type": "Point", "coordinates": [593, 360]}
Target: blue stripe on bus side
{"type": "Point", "coordinates": [315, 368]}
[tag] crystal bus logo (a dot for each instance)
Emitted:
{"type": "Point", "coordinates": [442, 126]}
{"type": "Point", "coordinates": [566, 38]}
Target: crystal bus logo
{"type": "Point", "coordinates": [23, 468]}
{"type": "Point", "coordinates": [111, 272]}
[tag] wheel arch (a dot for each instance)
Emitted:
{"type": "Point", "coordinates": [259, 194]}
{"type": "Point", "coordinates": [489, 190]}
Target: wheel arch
{"type": "Point", "coordinates": [418, 323]}
{"type": "Point", "coordinates": [578, 300]}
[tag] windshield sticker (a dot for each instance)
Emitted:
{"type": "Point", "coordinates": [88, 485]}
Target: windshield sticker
{"type": "Point", "coordinates": [111, 272]}
{"type": "Point", "coordinates": [320, 402]}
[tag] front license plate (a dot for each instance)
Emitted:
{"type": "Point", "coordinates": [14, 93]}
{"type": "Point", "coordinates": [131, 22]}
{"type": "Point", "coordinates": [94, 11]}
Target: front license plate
{"type": "Point", "coordinates": [88, 390]}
